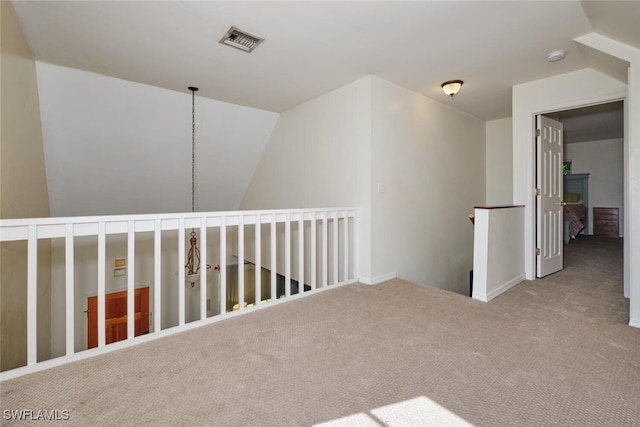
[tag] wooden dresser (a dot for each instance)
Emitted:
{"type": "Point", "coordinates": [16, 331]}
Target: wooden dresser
{"type": "Point", "coordinates": [606, 222]}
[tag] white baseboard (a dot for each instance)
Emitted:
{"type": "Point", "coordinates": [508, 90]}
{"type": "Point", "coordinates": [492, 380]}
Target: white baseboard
{"type": "Point", "coordinates": [505, 287]}
{"type": "Point", "coordinates": [378, 279]}
{"type": "Point", "coordinates": [486, 297]}
{"type": "Point", "coordinates": [479, 296]}
{"type": "Point", "coordinates": [635, 322]}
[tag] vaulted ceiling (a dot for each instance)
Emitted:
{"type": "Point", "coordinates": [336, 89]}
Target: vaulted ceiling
{"type": "Point", "coordinates": [313, 47]}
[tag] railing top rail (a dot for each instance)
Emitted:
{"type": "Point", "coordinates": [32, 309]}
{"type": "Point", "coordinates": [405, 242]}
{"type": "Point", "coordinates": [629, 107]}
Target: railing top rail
{"type": "Point", "coordinates": [56, 227]}
{"type": "Point", "coordinates": [17, 222]}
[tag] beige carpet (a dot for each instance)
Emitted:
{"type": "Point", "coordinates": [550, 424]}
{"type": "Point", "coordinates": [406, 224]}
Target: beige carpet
{"type": "Point", "coordinates": [554, 352]}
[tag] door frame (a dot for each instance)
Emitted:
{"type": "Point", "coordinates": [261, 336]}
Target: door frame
{"type": "Point", "coordinates": [530, 206]}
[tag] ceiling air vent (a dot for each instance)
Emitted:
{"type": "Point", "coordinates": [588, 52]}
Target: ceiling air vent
{"type": "Point", "coordinates": [241, 40]}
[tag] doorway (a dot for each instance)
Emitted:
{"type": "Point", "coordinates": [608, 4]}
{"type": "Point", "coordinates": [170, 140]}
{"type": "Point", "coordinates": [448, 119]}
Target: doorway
{"type": "Point", "coordinates": [116, 316]}
{"type": "Point", "coordinates": [593, 160]}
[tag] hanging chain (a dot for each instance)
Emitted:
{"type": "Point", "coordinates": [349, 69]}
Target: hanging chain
{"type": "Point", "coordinates": [193, 149]}
{"type": "Point", "coordinates": [193, 259]}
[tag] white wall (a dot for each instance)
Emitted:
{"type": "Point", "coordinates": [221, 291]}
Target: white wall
{"type": "Point", "coordinates": [118, 147]}
{"type": "Point", "coordinates": [430, 160]}
{"type": "Point", "coordinates": [336, 149]}
{"type": "Point", "coordinates": [604, 162]}
{"type": "Point", "coordinates": [499, 158]}
{"type": "Point", "coordinates": [23, 193]}
{"type": "Point", "coordinates": [319, 155]}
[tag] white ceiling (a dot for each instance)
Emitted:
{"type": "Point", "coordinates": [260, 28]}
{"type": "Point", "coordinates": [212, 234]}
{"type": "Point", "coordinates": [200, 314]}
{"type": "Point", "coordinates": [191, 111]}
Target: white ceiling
{"type": "Point", "coordinates": [313, 47]}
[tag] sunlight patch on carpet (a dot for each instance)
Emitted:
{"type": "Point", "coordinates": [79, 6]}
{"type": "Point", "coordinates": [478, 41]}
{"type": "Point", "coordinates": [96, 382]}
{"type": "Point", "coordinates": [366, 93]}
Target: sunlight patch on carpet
{"type": "Point", "coordinates": [418, 411]}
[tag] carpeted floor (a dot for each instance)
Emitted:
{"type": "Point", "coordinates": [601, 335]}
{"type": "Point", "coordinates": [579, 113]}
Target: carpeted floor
{"type": "Point", "coordinates": [553, 352]}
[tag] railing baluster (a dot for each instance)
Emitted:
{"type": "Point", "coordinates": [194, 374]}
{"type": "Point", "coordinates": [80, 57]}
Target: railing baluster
{"type": "Point", "coordinates": [345, 247]}
{"type": "Point", "coordinates": [223, 264]}
{"type": "Point", "coordinates": [203, 268]}
{"type": "Point", "coordinates": [240, 262]}
{"type": "Point", "coordinates": [32, 295]}
{"type": "Point", "coordinates": [312, 258]}
{"type": "Point", "coordinates": [301, 253]}
{"type": "Point", "coordinates": [131, 275]}
{"type": "Point", "coordinates": [101, 283]}
{"type": "Point", "coordinates": [287, 255]}
{"type": "Point", "coordinates": [273, 254]}
{"type": "Point", "coordinates": [355, 250]}
{"type": "Point", "coordinates": [69, 294]}
{"type": "Point", "coordinates": [325, 249]}
{"type": "Point", "coordinates": [258, 263]}
{"type": "Point", "coordinates": [336, 224]}
{"type": "Point", "coordinates": [181, 272]}
{"type": "Point", "coordinates": [157, 275]}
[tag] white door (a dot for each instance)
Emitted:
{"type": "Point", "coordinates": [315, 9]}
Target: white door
{"type": "Point", "coordinates": [549, 215]}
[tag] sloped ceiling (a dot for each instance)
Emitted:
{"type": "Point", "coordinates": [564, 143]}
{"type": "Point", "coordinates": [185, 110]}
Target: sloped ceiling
{"type": "Point", "coordinates": [615, 19]}
{"type": "Point", "coordinates": [313, 47]}
{"type": "Point", "coordinates": [116, 147]}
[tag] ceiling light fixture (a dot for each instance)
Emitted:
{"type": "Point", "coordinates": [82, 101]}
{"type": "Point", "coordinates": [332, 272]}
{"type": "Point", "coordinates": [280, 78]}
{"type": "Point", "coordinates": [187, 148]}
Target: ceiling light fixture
{"type": "Point", "coordinates": [556, 55]}
{"type": "Point", "coordinates": [452, 87]}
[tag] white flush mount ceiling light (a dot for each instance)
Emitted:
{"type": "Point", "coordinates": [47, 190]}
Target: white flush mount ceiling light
{"type": "Point", "coordinates": [556, 55]}
{"type": "Point", "coordinates": [241, 40]}
{"type": "Point", "coordinates": [452, 87]}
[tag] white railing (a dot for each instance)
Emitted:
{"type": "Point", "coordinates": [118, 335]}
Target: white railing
{"type": "Point", "coordinates": [322, 241]}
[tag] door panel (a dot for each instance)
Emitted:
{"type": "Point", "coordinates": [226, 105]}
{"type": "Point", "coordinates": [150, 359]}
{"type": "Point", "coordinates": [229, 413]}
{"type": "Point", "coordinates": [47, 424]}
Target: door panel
{"type": "Point", "coordinates": [116, 316]}
{"type": "Point", "coordinates": [549, 224]}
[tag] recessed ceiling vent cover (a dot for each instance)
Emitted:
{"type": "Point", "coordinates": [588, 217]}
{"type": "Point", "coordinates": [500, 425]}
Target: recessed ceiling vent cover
{"type": "Point", "coordinates": [241, 40]}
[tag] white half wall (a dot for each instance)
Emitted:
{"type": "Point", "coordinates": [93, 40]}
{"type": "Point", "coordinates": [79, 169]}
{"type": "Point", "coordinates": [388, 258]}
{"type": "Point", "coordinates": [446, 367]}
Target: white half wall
{"type": "Point", "coordinates": [499, 158]}
{"type": "Point", "coordinates": [119, 147]}
{"type": "Point", "coordinates": [498, 264]}
{"type": "Point", "coordinates": [428, 174]}
{"type": "Point", "coordinates": [604, 162]}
